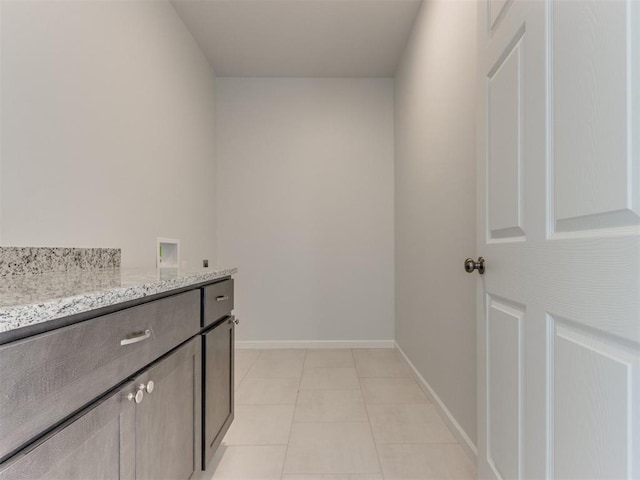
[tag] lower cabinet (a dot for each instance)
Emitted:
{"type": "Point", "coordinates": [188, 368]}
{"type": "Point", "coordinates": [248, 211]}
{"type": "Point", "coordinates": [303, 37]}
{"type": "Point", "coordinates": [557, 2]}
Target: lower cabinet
{"type": "Point", "coordinates": [164, 422]}
{"type": "Point", "coordinates": [167, 442]}
{"type": "Point", "coordinates": [88, 447]}
{"type": "Point", "coordinates": [218, 351]}
{"type": "Point", "coordinates": [149, 429]}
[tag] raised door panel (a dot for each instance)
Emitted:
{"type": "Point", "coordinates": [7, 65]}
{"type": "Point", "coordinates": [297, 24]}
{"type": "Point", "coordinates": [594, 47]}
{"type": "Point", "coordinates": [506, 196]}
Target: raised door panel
{"type": "Point", "coordinates": [504, 387]}
{"type": "Point", "coordinates": [594, 110]}
{"type": "Point", "coordinates": [97, 445]}
{"type": "Point", "coordinates": [505, 214]}
{"type": "Point", "coordinates": [218, 386]}
{"type": "Point", "coordinates": [168, 418]}
{"type": "Point", "coordinates": [497, 9]}
{"type": "Point", "coordinates": [593, 402]}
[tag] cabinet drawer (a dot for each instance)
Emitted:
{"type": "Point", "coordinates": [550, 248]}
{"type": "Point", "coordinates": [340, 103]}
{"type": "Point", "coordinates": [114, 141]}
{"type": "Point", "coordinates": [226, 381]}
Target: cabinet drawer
{"type": "Point", "coordinates": [47, 377]}
{"type": "Point", "coordinates": [218, 301]}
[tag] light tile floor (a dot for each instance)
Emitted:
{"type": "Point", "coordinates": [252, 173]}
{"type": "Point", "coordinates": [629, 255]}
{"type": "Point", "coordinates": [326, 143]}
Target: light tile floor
{"type": "Point", "coordinates": [334, 415]}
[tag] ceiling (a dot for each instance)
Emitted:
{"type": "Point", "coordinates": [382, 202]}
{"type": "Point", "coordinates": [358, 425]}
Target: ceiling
{"type": "Point", "coordinates": [300, 38]}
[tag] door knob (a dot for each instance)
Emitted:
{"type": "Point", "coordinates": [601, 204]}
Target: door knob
{"type": "Point", "coordinates": [470, 265]}
{"type": "Point", "coordinates": [137, 397]}
{"type": "Point", "coordinates": [146, 388]}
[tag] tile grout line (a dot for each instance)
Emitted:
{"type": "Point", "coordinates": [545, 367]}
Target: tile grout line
{"type": "Point", "coordinates": [375, 444]}
{"type": "Point", "coordinates": [248, 369]}
{"type": "Point", "coordinates": [361, 382]}
{"type": "Point", "coordinates": [295, 407]}
{"type": "Point", "coordinates": [329, 389]}
{"type": "Point", "coordinates": [268, 445]}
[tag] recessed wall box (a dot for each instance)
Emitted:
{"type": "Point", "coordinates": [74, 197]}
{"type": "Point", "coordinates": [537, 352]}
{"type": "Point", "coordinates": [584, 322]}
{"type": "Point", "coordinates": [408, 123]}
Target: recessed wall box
{"type": "Point", "coordinates": [168, 253]}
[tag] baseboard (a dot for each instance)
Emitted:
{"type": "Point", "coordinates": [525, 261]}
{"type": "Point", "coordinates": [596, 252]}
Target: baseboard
{"type": "Point", "coordinates": [309, 344]}
{"type": "Point", "coordinates": [463, 439]}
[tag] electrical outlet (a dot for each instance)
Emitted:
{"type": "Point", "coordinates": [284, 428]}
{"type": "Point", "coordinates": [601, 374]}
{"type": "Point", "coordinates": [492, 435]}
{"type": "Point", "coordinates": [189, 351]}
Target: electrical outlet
{"type": "Point", "coordinates": [205, 263]}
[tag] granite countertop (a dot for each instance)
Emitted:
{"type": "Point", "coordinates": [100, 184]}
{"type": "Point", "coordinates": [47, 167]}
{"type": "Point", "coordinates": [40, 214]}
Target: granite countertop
{"type": "Point", "coordinates": [27, 300]}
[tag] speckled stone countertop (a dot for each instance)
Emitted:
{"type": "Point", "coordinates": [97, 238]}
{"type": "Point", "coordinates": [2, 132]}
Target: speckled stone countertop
{"type": "Point", "coordinates": [33, 260]}
{"type": "Point", "coordinates": [27, 300]}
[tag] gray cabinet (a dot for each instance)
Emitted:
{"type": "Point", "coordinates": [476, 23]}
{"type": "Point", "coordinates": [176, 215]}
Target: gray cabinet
{"type": "Point", "coordinates": [98, 444]}
{"type": "Point", "coordinates": [167, 422]}
{"type": "Point", "coordinates": [118, 438]}
{"type": "Point", "coordinates": [218, 347]}
{"type": "Point", "coordinates": [143, 393]}
{"type": "Point", "coordinates": [48, 377]}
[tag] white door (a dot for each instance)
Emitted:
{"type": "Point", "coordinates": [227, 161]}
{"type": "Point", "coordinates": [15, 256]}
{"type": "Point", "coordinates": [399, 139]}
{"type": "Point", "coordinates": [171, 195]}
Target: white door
{"type": "Point", "coordinates": [559, 228]}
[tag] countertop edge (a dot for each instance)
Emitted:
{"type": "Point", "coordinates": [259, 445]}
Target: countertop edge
{"type": "Point", "coordinates": [19, 316]}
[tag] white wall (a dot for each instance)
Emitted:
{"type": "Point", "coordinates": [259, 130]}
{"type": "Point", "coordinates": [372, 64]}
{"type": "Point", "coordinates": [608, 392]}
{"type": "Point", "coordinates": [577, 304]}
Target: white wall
{"type": "Point", "coordinates": [107, 129]}
{"type": "Point", "coordinates": [435, 203]}
{"type": "Point", "coordinates": [305, 196]}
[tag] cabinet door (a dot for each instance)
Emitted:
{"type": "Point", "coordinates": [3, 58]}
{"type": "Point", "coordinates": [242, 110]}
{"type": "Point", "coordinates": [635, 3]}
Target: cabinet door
{"type": "Point", "coordinates": [98, 444]}
{"type": "Point", "coordinates": [217, 387]}
{"type": "Point", "coordinates": [168, 420]}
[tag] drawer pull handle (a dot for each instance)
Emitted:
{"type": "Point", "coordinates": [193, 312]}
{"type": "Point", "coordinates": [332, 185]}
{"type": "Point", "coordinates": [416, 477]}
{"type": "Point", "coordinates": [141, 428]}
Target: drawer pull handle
{"type": "Point", "coordinates": [138, 338]}
{"type": "Point", "coordinates": [222, 298]}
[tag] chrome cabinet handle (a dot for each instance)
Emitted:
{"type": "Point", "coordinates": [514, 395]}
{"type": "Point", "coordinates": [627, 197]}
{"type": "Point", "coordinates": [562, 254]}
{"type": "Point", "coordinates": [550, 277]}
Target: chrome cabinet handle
{"type": "Point", "coordinates": [137, 397]}
{"type": "Point", "coordinates": [139, 337]}
{"type": "Point", "coordinates": [146, 388]}
{"type": "Point", "coordinates": [234, 320]}
{"type": "Point", "coordinates": [222, 298]}
{"type": "Point", "coordinates": [470, 265]}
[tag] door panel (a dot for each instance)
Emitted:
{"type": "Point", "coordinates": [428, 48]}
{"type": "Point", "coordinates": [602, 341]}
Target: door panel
{"type": "Point", "coordinates": [218, 385]}
{"type": "Point", "coordinates": [592, 427]}
{"type": "Point", "coordinates": [497, 8]}
{"type": "Point", "coordinates": [168, 418]}
{"type": "Point", "coordinates": [558, 226]}
{"type": "Point", "coordinates": [505, 202]}
{"type": "Point", "coordinates": [504, 374]}
{"type": "Point", "coordinates": [97, 445]}
{"type": "Point", "coordinates": [593, 162]}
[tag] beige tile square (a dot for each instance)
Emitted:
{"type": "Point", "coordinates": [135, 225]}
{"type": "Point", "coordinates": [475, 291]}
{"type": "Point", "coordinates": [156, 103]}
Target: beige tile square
{"type": "Point", "coordinates": [267, 391]}
{"type": "Point", "coordinates": [248, 463]}
{"type": "Point", "coordinates": [278, 364]}
{"type": "Point", "coordinates": [408, 424]}
{"type": "Point", "coordinates": [329, 378]}
{"type": "Point", "coordinates": [380, 362]}
{"type": "Point", "coordinates": [243, 361]}
{"type": "Point", "coordinates": [425, 462]}
{"type": "Point", "coordinates": [260, 425]}
{"type": "Point", "coordinates": [329, 358]}
{"type": "Point", "coordinates": [392, 391]}
{"type": "Point", "coordinates": [330, 406]}
{"type": "Point", "coordinates": [353, 476]}
{"type": "Point", "coordinates": [331, 448]}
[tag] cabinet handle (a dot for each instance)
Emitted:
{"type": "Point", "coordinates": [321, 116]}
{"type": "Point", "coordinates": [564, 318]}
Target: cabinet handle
{"type": "Point", "coordinates": [222, 298]}
{"type": "Point", "coordinates": [148, 387]}
{"type": "Point", "coordinates": [137, 397]}
{"type": "Point", "coordinates": [234, 320]}
{"type": "Point", "coordinates": [139, 337]}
